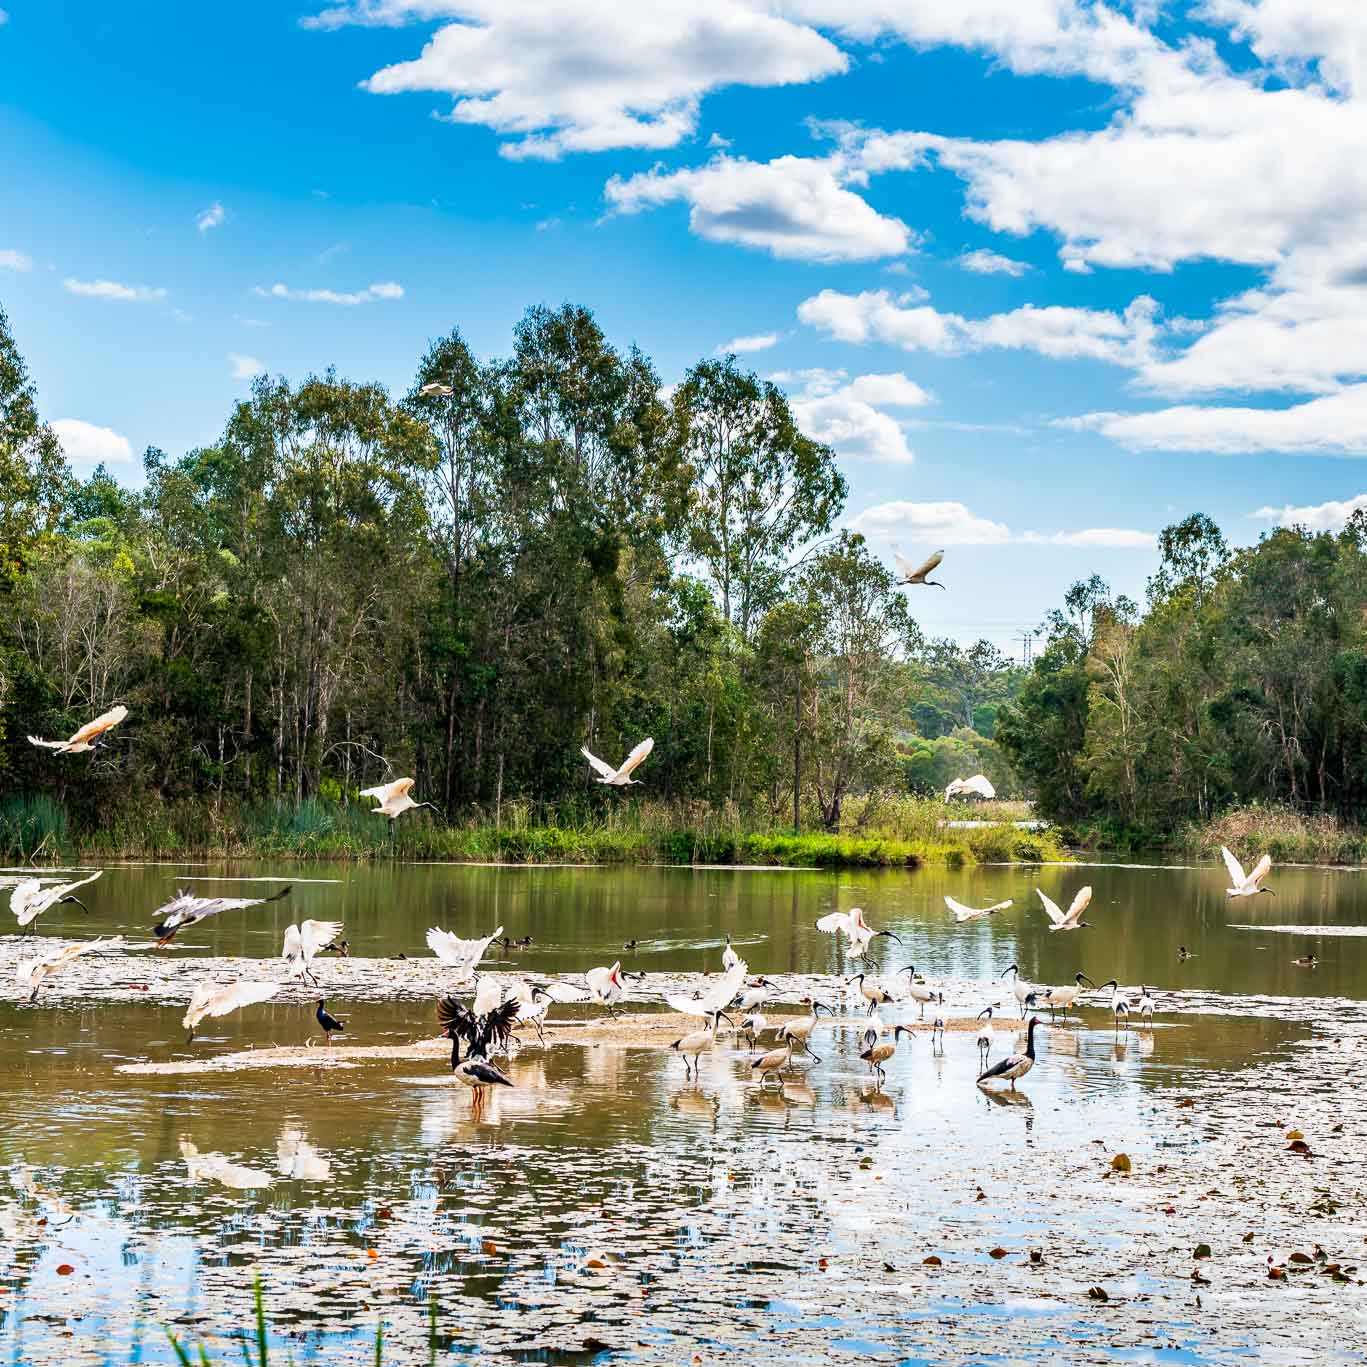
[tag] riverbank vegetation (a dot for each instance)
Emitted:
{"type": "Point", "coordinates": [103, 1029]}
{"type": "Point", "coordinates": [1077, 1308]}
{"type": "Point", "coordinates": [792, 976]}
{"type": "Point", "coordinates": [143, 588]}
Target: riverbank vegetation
{"type": "Point", "coordinates": [1231, 709]}
{"type": "Point", "coordinates": [465, 584]}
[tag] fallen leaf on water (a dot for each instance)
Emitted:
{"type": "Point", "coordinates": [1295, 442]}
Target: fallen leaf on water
{"type": "Point", "coordinates": [932, 1261]}
{"type": "Point", "coordinates": [888, 1267]}
{"type": "Point", "coordinates": [489, 1247]}
{"type": "Point", "coordinates": [65, 1269]}
{"type": "Point", "coordinates": [1098, 1293]}
{"type": "Point", "coordinates": [1187, 1101]}
{"type": "Point", "coordinates": [822, 1264]}
{"type": "Point", "coordinates": [1201, 1251]}
{"type": "Point", "coordinates": [372, 1253]}
{"type": "Point", "coordinates": [1036, 1256]}
{"type": "Point", "coordinates": [1299, 1146]}
{"type": "Point", "coordinates": [996, 1253]}
{"type": "Point", "coordinates": [1248, 1238]}
{"type": "Point", "coordinates": [1294, 1134]}
{"type": "Point", "coordinates": [593, 1345]}
{"type": "Point", "coordinates": [1121, 1163]}
{"type": "Point", "coordinates": [595, 1262]}
{"type": "Point", "coordinates": [1300, 1258]}
{"type": "Point", "coordinates": [1276, 1274]}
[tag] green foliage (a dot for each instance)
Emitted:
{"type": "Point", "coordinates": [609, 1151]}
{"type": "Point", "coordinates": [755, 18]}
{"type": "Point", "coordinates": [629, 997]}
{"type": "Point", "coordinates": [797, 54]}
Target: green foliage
{"type": "Point", "coordinates": [31, 827]}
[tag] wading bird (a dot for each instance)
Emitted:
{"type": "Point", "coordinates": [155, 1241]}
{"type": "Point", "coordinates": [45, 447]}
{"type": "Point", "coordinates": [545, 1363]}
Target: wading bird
{"type": "Point", "coordinates": [1120, 1004]}
{"type": "Point", "coordinates": [1062, 998]}
{"type": "Point", "coordinates": [533, 1003]}
{"type": "Point", "coordinates": [478, 1033]}
{"type": "Point", "coordinates": [606, 987]}
{"type": "Point", "coordinates": [1020, 989]}
{"type": "Point", "coordinates": [874, 992]}
{"type": "Point", "coordinates": [917, 574]}
{"type": "Point", "coordinates": [880, 1051]}
{"type": "Point", "coordinates": [716, 995]}
{"type": "Point", "coordinates": [620, 777]}
{"type": "Point", "coordinates": [1013, 1066]}
{"type": "Point", "coordinates": [754, 1025]}
{"type": "Point", "coordinates": [1146, 1004]}
{"type": "Point", "coordinates": [977, 786]}
{"type": "Point", "coordinates": [754, 996]}
{"type": "Point", "coordinates": [799, 1030]}
{"type": "Point", "coordinates": [691, 1045]}
{"type": "Point", "coordinates": [89, 737]}
{"type": "Point", "coordinates": [1070, 919]}
{"type": "Point", "coordinates": [30, 899]}
{"type": "Point", "coordinates": [772, 1064]}
{"type": "Point", "coordinates": [488, 997]}
{"type": "Point", "coordinates": [297, 1159]}
{"type": "Point", "coordinates": [210, 1000]}
{"type": "Point", "coordinates": [1246, 884]}
{"type": "Point", "coordinates": [304, 941]}
{"type": "Point", "coordinates": [33, 972]}
{"type": "Point", "coordinates": [985, 1036]}
{"type": "Point", "coordinates": [186, 909]}
{"type": "Point", "coordinates": [919, 992]}
{"type": "Point", "coordinates": [856, 930]}
{"type": "Point", "coordinates": [729, 957]}
{"type": "Point", "coordinates": [963, 913]}
{"type": "Point", "coordinates": [328, 1023]}
{"type": "Point", "coordinates": [462, 955]}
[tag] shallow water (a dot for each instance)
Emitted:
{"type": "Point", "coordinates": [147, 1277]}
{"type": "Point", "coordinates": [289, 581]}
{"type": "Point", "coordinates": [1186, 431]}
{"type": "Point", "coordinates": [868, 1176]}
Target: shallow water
{"type": "Point", "coordinates": [726, 1218]}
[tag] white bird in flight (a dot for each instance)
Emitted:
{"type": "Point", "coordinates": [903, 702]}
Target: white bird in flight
{"type": "Point", "coordinates": [208, 999]}
{"type": "Point", "coordinates": [1070, 919]}
{"type": "Point", "coordinates": [620, 777]}
{"type": "Point", "coordinates": [963, 913]}
{"type": "Point", "coordinates": [917, 574]}
{"type": "Point", "coordinates": [395, 799]}
{"type": "Point", "coordinates": [1246, 884]}
{"type": "Point", "coordinates": [31, 899]}
{"type": "Point", "coordinates": [303, 942]}
{"type": "Point", "coordinates": [979, 784]}
{"type": "Point", "coordinates": [715, 996]}
{"type": "Point", "coordinates": [436, 390]}
{"type": "Point", "coordinates": [855, 929]}
{"type": "Point", "coordinates": [463, 955]}
{"type": "Point", "coordinates": [88, 737]}
{"type": "Point", "coordinates": [188, 909]}
{"type": "Point", "coordinates": [32, 972]}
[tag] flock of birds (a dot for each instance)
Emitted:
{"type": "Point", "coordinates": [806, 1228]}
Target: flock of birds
{"type": "Point", "coordinates": [489, 1024]}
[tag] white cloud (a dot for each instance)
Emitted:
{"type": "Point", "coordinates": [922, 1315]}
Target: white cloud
{"type": "Point", "coordinates": [86, 443]}
{"type": "Point", "coordinates": [1317, 517]}
{"type": "Point", "coordinates": [742, 346]}
{"type": "Point", "coordinates": [1126, 338]}
{"type": "Point", "coordinates": [111, 289]}
{"type": "Point", "coordinates": [954, 524]}
{"type": "Point", "coordinates": [557, 76]}
{"type": "Point", "coordinates": [985, 262]}
{"type": "Point", "coordinates": [1335, 424]}
{"type": "Point", "coordinates": [212, 217]}
{"type": "Point", "coordinates": [4, 16]}
{"type": "Point", "coordinates": [369, 295]}
{"type": "Point", "coordinates": [795, 208]}
{"type": "Point", "coordinates": [1290, 34]}
{"type": "Point", "coordinates": [11, 260]}
{"type": "Point", "coordinates": [847, 415]}
{"type": "Point", "coordinates": [245, 367]}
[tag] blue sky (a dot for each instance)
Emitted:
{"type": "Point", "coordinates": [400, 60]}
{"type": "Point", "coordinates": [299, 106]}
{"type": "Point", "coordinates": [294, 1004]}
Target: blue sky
{"type": "Point", "coordinates": [1047, 274]}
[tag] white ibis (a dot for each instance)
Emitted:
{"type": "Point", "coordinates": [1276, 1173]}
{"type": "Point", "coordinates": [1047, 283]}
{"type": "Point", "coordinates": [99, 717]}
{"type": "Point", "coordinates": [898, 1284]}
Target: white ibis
{"type": "Point", "coordinates": [1014, 1066]}
{"type": "Point", "coordinates": [395, 798]}
{"type": "Point", "coordinates": [963, 913]}
{"type": "Point", "coordinates": [985, 1035]}
{"type": "Point", "coordinates": [30, 899]}
{"type": "Point", "coordinates": [772, 1064]}
{"type": "Point", "coordinates": [1120, 1005]}
{"type": "Point", "coordinates": [208, 999]}
{"type": "Point", "coordinates": [799, 1030]}
{"type": "Point", "coordinates": [32, 973]}
{"type": "Point", "coordinates": [754, 1025]}
{"type": "Point", "coordinates": [1146, 1004]}
{"type": "Point", "coordinates": [621, 777]}
{"type": "Point", "coordinates": [304, 941]}
{"type": "Point", "coordinates": [1246, 884]}
{"type": "Point", "coordinates": [918, 575]}
{"type": "Point", "coordinates": [856, 930]}
{"type": "Point", "coordinates": [462, 955]}
{"type": "Point", "coordinates": [1020, 989]}
{"type": "Point", "coordinates": [753, 997]}
{"type": "Point", "coordinates": [1070, 919]}
{"type": "Point", "coordinates": [89, 737]}
{"type": "Point", "coordinates": [919, 992]}
{"type": "Point", "coordinates": [977, 786]}
{"type": "Point", "coordinates": [881, 1050]}
{"type": "Point", "coordinates": [696, 1042]}
{"type": "Point", "coordinates": [729, 957]}
{"type": "Point", "coordinates": [186, 909]}
{"type": "Point", "coordinates": [1063, 998]}
{"type": "Point", "coordinates": [606, 987]}
{"type": "Point", "coordinates": [872, 991]}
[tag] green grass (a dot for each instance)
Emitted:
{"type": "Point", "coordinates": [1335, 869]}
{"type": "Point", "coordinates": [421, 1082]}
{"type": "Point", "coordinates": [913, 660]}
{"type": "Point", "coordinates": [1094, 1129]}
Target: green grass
{"type": "Point", "coordinates": [1288, 835]}
{"type": "Point", "coordinates": [906, 832]}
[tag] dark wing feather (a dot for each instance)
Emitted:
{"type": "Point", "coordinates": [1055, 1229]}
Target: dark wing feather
{"type": "Point", "coordinates": [487, 1074]}
{"type": "Point", "coordinates": [455, 1019]}
{"type": "Point", "coordinates": [1000, 1068]}
{"type": "Point", "coordinates": [496, 1028]}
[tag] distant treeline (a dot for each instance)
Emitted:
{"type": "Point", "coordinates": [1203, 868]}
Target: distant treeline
{"type": "Point", "coordinates": [465, 584]}
{"type": "Point", "coordinates": [1244, 680]}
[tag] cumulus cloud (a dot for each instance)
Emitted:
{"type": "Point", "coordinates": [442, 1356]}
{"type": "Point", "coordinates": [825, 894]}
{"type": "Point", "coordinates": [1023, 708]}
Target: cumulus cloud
{"type": "Point", "coordinates": [795, 208]}
{"type": "Point", "coordinates": [112, 289]}
{"type": "Point", "coordinates": [848, 414]}
{"type": "Point", "coordinates": [1317, 517]}
{"type": "Point", "coordinates": [985, 262]}
{"type": "Point", "coordinates": [557, 76]}
{"type": "Point", "coordinates": [84, 442]}
{"type": "Point", "coordinates": [1126, 338]}
{"type": "Point", "coordinates": [950, 523]}
{"type": "Point", "coordinates": [350, 298]}
{"type": "Point", "coordinates": [11, 260]}
{"type": "Point", "coordinates": [245, 367]}
{"type": "Point", "coordinates": [742, 346]}
{"type": "Point", "coordinates": [210, 218]}
{"type": "Point", "coordinates": [1335, 424]}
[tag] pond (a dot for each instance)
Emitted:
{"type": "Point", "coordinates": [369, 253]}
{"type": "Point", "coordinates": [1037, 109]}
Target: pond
{"type": "Point", "coordinates": [607, 1209]}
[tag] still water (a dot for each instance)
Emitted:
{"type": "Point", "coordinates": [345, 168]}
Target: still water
{"type": "Point", "coordinates": [604, 1201]}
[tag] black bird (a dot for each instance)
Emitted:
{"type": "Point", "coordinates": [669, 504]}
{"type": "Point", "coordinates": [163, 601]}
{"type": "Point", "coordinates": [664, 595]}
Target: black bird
{"type": "Point", "coordinates": [329, 1022]}
{"type": "Point", "coordinates": [630, 945]}
{"type": "Point", "coordinates": [459, 1023]}
{"type": "Point", "coordinates": [341, 948]}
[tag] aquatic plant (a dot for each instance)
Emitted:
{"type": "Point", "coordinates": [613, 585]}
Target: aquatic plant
{"type": "Point", "coordinates": [32, 827]}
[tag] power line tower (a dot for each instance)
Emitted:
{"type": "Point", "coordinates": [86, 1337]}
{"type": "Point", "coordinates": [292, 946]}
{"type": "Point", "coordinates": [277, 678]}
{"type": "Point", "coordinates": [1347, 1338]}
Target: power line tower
{"type": "Point", "coordinates": [1027, 640]}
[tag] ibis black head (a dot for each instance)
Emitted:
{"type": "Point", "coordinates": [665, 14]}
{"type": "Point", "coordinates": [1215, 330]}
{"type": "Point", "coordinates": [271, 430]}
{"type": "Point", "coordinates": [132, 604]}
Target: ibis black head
{"type": "Point", "coordinates": [858, 978]}
{"type": "Point", "coordinates": [1109, 983]}
{"type": "Point", "coordinates": [1010, 968]}
{"type": "Point", "coordinates": [1080, 978]}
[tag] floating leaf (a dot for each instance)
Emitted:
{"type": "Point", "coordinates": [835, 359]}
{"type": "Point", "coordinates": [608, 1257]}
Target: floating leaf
{"type": "Point", "coordinates": [1300, 1258]}
{"type": "Point", "coordinates": [996, 1252]}
{"type": "Point", "coordinates": [1201, 1251]}
{"type": "Point", "coordinates": [1299, 1146]}
{"type": "Point", "coordinates": [932, 1261]}
{"type": "Point", "coordinates": [1098, 1293]}
{"type": "Point", "coordinates": [489, 1247]}
{"type": "Point", "coordinates": [1036, 1256]}
{"type": "Point", "coordinates": [593, 1345]}
{"type": "Point", "coordinates": [1248, 1238]}
{"type": "Point", "coordinates": [1121, 1163]}
{"type": "Point", "coordinates": [372, 1253]}
{"type": "Point", "coordinates": [1294, 1134]}
{"type": "Point", "coordinates": [65, 1269]}
{"type": "Point", "coordinates": [1276, 1274]}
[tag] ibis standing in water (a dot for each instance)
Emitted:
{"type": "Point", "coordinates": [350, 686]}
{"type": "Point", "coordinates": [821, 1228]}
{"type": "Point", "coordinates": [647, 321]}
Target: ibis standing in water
{"type": "Point", "coordinates": [1120, 1005]}
{"type": "Point", "coordinates": [696, 1042]}
{"type": "Point", "coordinates": [873, 991]}
{"type": "Point", "coordinates": [1014, 1066]}
{"type": "Point", "coordinates": [606, 987]}
{"type": "Point", "coordinates": [1061, 998]}
{"type": "Point", "coordinates": [1146, 1004]}
{"type": "Point", "coordinates": [772, 1064]}
{"type": "Point", "coordinates": [1020, 989]}
{"type": "Point", "coordinates": [985, 1036]}
{"type": "Point", "coordinates": [920, 992]}
{"type": "Point", "coordinates": [879, 1051]}
{"type": "Point", "coordinates": [329, 1023]}
{"type": "Point", "coordinates": [799, 1030]}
